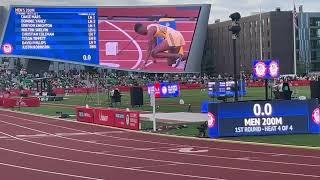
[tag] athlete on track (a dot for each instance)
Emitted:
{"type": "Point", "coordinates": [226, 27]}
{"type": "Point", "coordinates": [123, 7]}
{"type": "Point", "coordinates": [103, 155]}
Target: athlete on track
{"type": "Point", "coordinates": [170, 48]}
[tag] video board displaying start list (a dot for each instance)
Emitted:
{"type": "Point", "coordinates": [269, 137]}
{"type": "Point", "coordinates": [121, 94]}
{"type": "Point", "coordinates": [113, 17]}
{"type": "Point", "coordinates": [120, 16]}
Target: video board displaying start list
{"type": "Point", "coordinates": [54, 33]}
{"type": "Point", "coordinates": [104, 36]}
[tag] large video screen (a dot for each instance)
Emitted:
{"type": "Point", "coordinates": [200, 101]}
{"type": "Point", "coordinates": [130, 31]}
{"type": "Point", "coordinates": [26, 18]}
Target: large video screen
{"type": "Point", "coordinates": [150, 39]}
{"type": "Point", "coordinates": [226, 89]}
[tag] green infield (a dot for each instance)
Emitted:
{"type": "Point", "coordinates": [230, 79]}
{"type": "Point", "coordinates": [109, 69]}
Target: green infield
{"type": "Point", "coordinates": [194, 98]}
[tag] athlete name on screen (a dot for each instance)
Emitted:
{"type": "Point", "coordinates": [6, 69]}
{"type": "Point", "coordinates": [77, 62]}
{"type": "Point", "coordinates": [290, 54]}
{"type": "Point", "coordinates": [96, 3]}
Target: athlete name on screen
{"type": "Point", "coordinates": [263, 121]}
{"type": "Point", "coordinates": [34, 29]}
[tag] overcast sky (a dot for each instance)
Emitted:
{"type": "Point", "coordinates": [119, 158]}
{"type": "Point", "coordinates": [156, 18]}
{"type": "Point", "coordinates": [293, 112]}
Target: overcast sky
{"type": "Point", "coordinates": [220, 8]}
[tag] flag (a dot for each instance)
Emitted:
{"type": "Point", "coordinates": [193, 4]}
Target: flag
{"type": "Point", "coordinates": [295, 17]}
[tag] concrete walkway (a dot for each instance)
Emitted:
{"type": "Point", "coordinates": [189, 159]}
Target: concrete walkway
{"type": "Point", "coordinates": [180, 117]}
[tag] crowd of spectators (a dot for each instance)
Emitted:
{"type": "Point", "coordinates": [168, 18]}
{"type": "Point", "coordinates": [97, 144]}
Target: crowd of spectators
{"type": "Point", "coordinates": [74, 79]}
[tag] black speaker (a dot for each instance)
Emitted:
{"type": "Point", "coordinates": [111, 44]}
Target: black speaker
{"type": "Point", "coordinates": [136, 94]}
{"type": "Point", "coordinates": [315, 89]}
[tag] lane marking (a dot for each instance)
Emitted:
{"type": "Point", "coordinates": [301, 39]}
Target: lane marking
{"type": "Point", "coordinates": [95, 164]}
{"type": "Point", "coordinates": [277, 155]}
{"type": "Point", "coordinates": [142, 167]}
{"type": "Point", "coordinates": [60, 134]}
{"type": "Point", "coordinates": [211, 166]}
{"type": "Point", "coordinates": [33, 135]}
{"type": "Point", "coordinates": [173, 136]}
{"type": "Point", "coordinates": [49, 172]}
{"type": "Point", "coordinates": [130, 157]}
{"type": "Point", "coordinates": [152, 150]}
{"type": "Point", "coordinates": [108, 132]}
{"type": "Point", "coordinates": [243, 158]}
{"type": "Point", "coordinates": [131, 38]}
{"type": "Point", "coordinates": [190, 150]}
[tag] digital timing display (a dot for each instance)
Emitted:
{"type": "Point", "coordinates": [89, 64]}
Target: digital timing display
{"type": "Point", "coordinates": [259, 118]}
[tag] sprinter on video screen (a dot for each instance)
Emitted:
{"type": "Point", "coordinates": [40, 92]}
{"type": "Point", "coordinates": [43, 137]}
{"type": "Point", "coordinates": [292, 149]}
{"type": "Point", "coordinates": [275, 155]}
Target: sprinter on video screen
{"type": "Point", "coordinates": [170, 48]}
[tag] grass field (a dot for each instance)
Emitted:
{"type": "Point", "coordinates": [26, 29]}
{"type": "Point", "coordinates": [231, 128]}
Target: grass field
{"type": "Point", "coordinates": [192, 97]}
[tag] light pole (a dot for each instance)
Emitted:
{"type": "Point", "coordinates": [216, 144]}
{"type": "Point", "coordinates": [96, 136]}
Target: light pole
{"type": "Point", "coordinates": [235, 29]}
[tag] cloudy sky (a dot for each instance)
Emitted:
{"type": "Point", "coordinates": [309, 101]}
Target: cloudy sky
{"type": "Point", "coordinates": [220, 8]}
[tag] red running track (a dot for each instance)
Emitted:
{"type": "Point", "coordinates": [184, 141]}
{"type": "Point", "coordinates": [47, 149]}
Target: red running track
{"type": "Point", "coordinates": [40, 148]}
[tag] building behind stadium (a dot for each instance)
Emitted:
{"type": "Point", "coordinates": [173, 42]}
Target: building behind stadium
{"type": "Point", "coordinates": [277, 42]}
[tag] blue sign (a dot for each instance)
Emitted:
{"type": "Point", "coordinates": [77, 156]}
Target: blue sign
{"type": "Point", "coordinates": [164, 90]}
{"type": "Point", "coordinates": [226, 89]}
{"type": "Point", "coordinates": [53, 33]}
{"type": "Point", "coordinates": [269, 69]}
{"type": "Point", "coordinates": [256, 118]}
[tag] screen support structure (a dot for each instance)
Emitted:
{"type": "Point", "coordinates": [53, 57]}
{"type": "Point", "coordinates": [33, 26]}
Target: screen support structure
{"type": "Point", "coordinates": [236, 96]}
{"type": "Point", "coordinates": [266, 82]}
{"type": "Point", "coordinates": [153, 104]}
{"type": "Point", "coordinates": [235, 29]}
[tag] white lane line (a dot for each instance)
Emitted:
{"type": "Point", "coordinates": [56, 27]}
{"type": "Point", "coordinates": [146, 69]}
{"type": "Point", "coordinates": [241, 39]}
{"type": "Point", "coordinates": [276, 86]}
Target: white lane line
{"type": "Point", "coordinates": [108, 132]}
{"type": "Point", "coordinates": [173, 144]}
{"type": "Point", "coordinates": [61, 134]}
{"type": "Point", "coordinates": [277, 155]}
{"type": "Point", "coordinates": [101, 165]}
{"type": "Point", "coordinates": [190, 150]}
{"type": "Point", "coordinates": [181, 163]}
{"type": "Point", "coordinates": [212, 148]}
{"type": "Point", "coordinates": [243, 158]}
{"type": "Point", "coordinates": [48, 172]}
{"type": "Point", "coordinates": [154, 150]}
{"type": "Point", "coordinates": [33, 135]}
{"type": "Point", "coordinates": [142, 167]}
{"type": "Point", "coordinates": [62, 137]}
{"type": "Point", "coordinates": [132, 40]}
{"type": "Point", "coordinates": [157, 160]}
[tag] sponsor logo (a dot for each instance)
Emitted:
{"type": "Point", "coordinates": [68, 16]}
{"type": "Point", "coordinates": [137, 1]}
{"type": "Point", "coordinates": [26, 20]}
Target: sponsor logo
{"type": "Point", "coordinates": [127, 119]}
{"type": "Point", "coordinates": [7, 48]}
{"type": "Point", "coordinates": [21, 103]}
{"type": "Point", "coordinates": [84, 114]}
{"type": "Point", "coordinates": [274, 69]}
{"type": "Point", "coordinates": [164, 90]}
{"type": "Point", "coordinates": [104, 117]}
{"type": "Point", "coordinates": [211, 120]}
{"type": "Point", "coordinates": [316, 116]}
{"type": "Point", "coordinates": [119, 116]}
{"type": "Point", "coordinates": [260, 69]}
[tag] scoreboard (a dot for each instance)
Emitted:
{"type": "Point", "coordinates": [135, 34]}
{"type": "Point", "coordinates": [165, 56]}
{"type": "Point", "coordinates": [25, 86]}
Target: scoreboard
{"type": "Point", "coordinates": [256, 118]}
{"type": "Point", "coordinates": [54, 33]}
{"type": "Point", "coordinates": [226, 89]}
